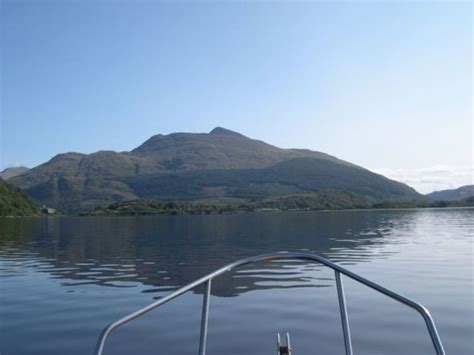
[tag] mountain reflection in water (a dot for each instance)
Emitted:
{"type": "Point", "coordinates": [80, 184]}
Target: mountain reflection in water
{"type": "Point", "coordinates": [63, 279]}
{"type": "Point", "coordinates": [119, 252]}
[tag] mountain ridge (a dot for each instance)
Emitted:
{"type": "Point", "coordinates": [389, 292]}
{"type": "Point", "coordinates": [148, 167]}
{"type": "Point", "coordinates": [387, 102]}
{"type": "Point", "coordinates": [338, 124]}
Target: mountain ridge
{"type": "Point", "coordinates": [183, 166]}
{"type": "Point", "coordinates": [459, 193]}
{"type": "Point", "coordinates": [8, 173]}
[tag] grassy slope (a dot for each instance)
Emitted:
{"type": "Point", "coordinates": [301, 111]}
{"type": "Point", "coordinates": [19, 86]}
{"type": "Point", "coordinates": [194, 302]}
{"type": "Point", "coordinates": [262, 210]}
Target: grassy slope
{"type": "Point", "coordinates": [13, 202]}
{"type": "Point", "coordinates": [301, 175]}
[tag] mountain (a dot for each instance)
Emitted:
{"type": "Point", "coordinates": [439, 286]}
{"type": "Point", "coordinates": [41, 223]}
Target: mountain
{"type": "Point", "coordinates": [12, 172]}
{"type": "Point", "coordinates": [13, 202]}
{"type": "Point", "coordinates": [460, 193]}
{"type": "Point", "coordinates": [198, 166]}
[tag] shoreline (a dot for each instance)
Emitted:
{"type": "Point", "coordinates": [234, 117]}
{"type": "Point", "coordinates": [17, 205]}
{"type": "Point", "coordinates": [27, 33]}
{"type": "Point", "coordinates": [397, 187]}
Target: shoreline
{"type": "Point", "coordinates": [244, 212]}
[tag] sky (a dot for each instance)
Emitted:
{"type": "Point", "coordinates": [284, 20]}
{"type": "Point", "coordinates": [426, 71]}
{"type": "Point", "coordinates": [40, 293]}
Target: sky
{"type": "Point", "coordinates": [386, 85]}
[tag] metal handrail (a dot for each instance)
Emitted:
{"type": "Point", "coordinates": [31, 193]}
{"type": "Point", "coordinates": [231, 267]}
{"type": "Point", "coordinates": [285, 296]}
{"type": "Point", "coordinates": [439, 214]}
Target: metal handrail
{"type": "Point", "coordinates": [277, 256]}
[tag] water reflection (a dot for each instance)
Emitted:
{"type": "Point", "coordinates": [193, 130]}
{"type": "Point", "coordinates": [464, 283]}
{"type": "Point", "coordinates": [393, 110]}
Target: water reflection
{"type": "Point", "coordinates": [64, 279]}
{"type": "Point", "coordinates": [167, 252]}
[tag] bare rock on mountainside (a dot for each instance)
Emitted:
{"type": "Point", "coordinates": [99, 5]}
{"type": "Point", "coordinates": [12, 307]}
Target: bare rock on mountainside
{"type": "Point", "coordinates": [197, 166]}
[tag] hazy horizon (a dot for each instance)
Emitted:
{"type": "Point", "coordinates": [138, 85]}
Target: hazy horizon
{"type": "Point", "coordinates": [106, 75]}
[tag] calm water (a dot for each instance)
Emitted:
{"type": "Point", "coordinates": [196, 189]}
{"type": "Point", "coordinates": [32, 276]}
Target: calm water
{"type": "Point", "coordinates": [63, 279]}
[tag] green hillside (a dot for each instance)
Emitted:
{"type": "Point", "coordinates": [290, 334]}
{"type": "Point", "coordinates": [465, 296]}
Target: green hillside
{"type": "Point", "coordinates": [321, 200]}
{"type": "Point", "coordinates": [13, 202]}
{"type": "Point", "coordinates": [293, 176]}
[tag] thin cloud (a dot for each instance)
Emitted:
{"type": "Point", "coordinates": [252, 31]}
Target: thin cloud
{"type": "Point", "coordinates": [429, 179]}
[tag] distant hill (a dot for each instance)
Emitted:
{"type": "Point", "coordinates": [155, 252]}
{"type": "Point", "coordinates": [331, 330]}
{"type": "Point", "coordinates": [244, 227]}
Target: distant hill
{"type": "Point", "coordinates": [197, 166]}
{"type": "Point", "coordinates": [13, 202]}
{"type": "Point", "coordinates": [12, 172]}
{"type": "Point", "coordinates": [460, 193]}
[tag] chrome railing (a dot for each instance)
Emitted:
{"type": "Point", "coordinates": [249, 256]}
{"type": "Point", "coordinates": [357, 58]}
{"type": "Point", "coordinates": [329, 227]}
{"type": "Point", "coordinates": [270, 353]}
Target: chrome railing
{"type": "Point", "coordinates": [338, 270]}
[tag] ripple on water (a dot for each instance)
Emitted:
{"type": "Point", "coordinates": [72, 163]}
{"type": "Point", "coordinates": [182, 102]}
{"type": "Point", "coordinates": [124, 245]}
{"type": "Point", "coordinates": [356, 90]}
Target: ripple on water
{"type": "Point", "coordinates": [64, 279]}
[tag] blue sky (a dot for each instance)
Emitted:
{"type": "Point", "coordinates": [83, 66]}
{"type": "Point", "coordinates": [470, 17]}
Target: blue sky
{"type": "Point", "coordinates": [387, 85]}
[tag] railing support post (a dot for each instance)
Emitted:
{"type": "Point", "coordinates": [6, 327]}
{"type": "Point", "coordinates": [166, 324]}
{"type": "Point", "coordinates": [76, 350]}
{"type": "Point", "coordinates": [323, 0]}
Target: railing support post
{"type": "Point", "coordinates": [342, 307]}
{"type": "Point", "coordinates": [204, 318]}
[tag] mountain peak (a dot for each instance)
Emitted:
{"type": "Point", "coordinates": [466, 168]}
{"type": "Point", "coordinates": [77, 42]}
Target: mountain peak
{"type": "Point", "coordinates": [225, 132]}
{"type": "Point", "coordinates": [12, 172]}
